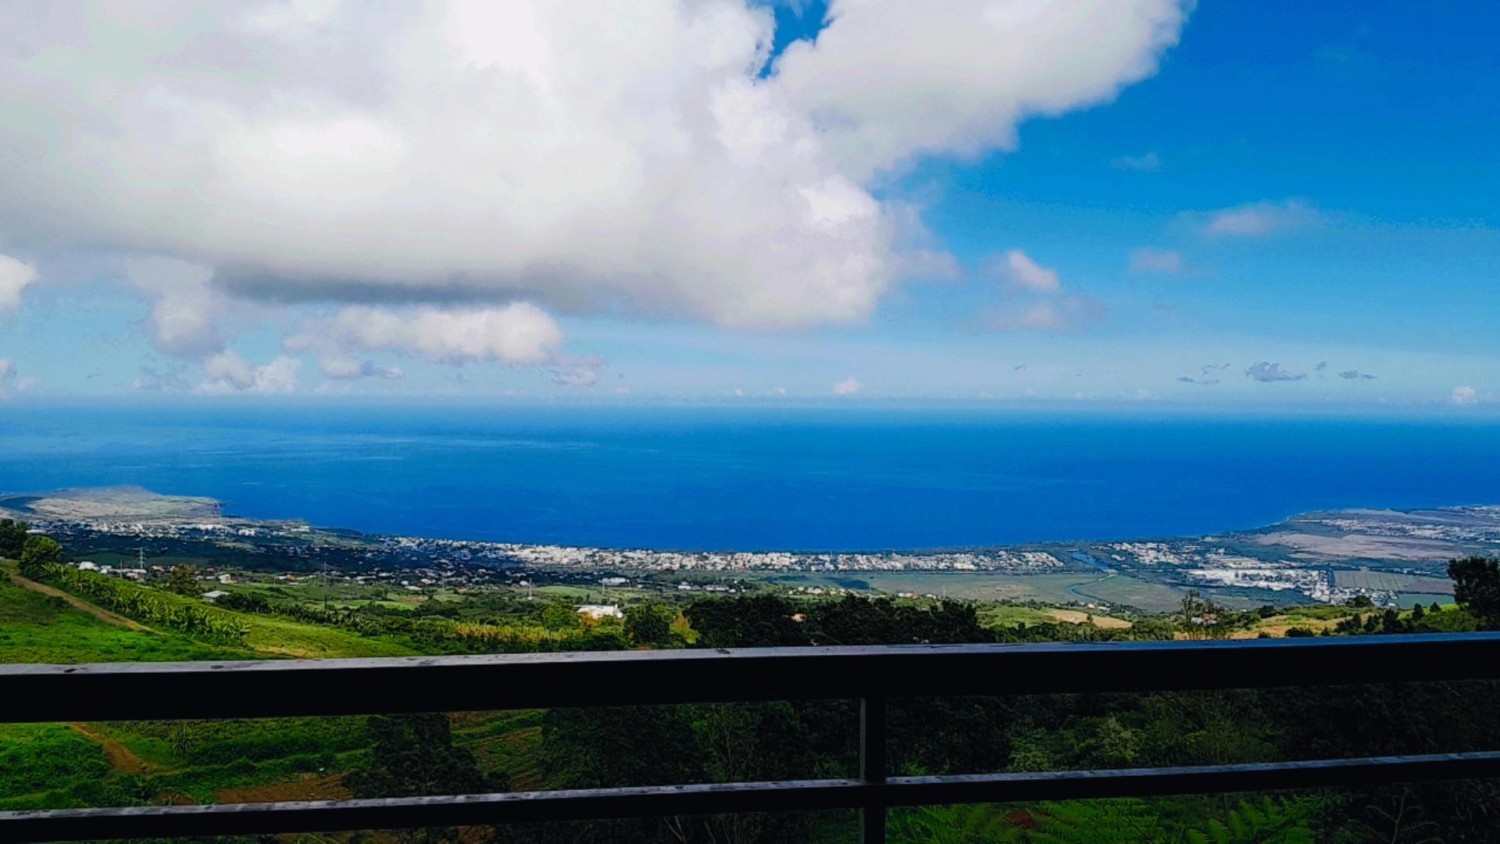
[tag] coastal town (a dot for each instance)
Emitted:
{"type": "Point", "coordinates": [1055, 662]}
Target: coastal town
{"type": "Point", "coordinates": [1320, 557]}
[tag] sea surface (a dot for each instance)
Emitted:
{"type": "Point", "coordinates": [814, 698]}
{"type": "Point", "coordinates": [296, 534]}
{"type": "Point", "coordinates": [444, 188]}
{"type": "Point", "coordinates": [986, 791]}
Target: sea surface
{"type": "Point", "coordinates": [760, 478]}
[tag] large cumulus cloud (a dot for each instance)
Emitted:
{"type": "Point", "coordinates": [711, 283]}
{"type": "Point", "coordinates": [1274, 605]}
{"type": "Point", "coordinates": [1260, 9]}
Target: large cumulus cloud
{"type": "Point", "coordinates": [582, 155]}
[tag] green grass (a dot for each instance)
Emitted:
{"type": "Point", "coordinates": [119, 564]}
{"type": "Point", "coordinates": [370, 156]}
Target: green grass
{"type": "Point", "coordinates": [44, 757]}
{"type": "Point", "coordinates": [187, 744]}
{"type": "Point", "coordinates": [40, 628]}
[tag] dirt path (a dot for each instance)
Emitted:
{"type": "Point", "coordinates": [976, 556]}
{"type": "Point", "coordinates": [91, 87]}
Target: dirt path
{"type": "Point", "coordinates": [79, 604]}
{"type": "Point", "coordinates": [120, 757]}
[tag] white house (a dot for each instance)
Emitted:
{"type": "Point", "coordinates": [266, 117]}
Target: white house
{"type": "Point", "coordinates": [598, 611]}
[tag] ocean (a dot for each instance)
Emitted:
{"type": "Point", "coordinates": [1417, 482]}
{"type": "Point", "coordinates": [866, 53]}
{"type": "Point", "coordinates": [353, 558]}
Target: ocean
{"type": "Point", "coordinates": [753, 478]}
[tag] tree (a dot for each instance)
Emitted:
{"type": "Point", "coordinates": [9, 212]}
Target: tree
{"type": "Point", "coordinates": [1476, 587]}
{"type": "Point", "coordinates": [12, 538]}
{"type": "Point", "coordinates": [184, 581]}
{"type": "Point", "coordinates": [412, 756]}
{"type": "Point", "coordinates": [1416, 613]}
{"type": "Point", "coordinates": [560, 615]}
{"type": "Point", "coordinates": [650, 625]}
{"type": "Point", "coordinates": [37, 553]}
{"type": "Point", "coordinates": [1360, 601]}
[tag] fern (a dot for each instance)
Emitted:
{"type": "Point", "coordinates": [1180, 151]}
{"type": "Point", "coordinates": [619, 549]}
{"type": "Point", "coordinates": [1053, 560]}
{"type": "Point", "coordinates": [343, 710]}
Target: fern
{"type": "Point", "coordinates": [978, 824]}
{"type": "Point", "coordinates": [1267, 822]}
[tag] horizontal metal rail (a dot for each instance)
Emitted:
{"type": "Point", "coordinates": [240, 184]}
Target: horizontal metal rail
{"type": "Point", "coordinates": [102, 692]}
{"type": "Point", "coordinates": [278, 688]}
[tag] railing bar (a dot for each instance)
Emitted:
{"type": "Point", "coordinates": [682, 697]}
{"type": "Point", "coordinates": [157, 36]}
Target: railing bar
{"type": "Point", "coordinates": [802, 795]}
{"type": "Point", "coordinates": [41, 693]}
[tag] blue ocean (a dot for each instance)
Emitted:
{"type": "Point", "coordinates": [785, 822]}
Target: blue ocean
{"type": "Point", "coordinates": [757, 478]}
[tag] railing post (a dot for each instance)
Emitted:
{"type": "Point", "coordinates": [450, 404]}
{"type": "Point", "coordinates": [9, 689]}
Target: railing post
{"type": "Point", "coordinates": [872, 767]}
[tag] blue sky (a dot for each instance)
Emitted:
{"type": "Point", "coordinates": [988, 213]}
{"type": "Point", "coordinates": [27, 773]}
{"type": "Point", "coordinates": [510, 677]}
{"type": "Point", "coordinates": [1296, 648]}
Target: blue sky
{"type": "Point", "coordinates": [1248, 205]}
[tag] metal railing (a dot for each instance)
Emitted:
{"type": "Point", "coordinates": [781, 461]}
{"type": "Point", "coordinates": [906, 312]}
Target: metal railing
{"type": "Point", "coordinates": [872, 675]}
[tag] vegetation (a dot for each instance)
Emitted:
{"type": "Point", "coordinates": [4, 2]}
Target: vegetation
{"type": "Point", "coordinates": [135, 763]}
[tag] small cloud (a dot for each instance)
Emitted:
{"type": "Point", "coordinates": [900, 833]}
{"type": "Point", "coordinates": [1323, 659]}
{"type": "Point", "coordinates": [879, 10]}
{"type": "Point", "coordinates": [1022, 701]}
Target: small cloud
{"type": "Point", "coordinates": [779, 391]}
{"type": "Point", "coordinates": [1062, 314]}
{"type": "Point", "coordinates": [1146, 163]}
{"type": "Point", "coordinates": [1188, 379]}
{"type": "Point", "coordinates": [1019, 272]}
{"type": "Point", "coordinates": [15, 276]}
{"type": "Point", "coordinates": [1322, 365]}
{"type": "Point", "coordinates": [739, 393]}
{"type": "Point", "coordinates": [578, 373]}
{"type": "Point", "coordinates": [847, 387]}
{"type": "Point", "coordinates": [1465, 396]}
{"type": "Point", "coordinates": [227, 372]}
{"type": "Point", "coordinates": [1267, 372]}
{"type": "Point", "coordinates": [345, 368]}
{"type": "Point", "coordinates": [1261, 219]}
{"type": "Point", "coordinates": [1162, 261]}
{"type": "Point", "coordinates": [1356, 375]}
{"type": "Point", "coordinates": [1020, 367]}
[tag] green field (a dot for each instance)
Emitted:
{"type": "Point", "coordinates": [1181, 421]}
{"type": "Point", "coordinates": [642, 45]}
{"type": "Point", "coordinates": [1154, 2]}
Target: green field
{"type": "Point", "coordinates": [39, 628]}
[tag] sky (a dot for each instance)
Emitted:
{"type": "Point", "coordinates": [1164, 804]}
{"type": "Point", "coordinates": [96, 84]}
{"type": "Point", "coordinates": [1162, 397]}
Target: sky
{"type": "Point", "coordinates": [1181, 205]}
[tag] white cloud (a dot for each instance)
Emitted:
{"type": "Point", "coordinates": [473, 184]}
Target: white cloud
{"type": "Point", "coordinates": [518, 333]}
{"type": "Point", "coordinates": [1261, 219]}
{"type": "Point", "coordinates": [848, 387]}
{"type": "Point", "coordinates": [887, 82]}
{"type": "Point", "coordinates": [1163, 261]}
{"type": "Point", "coordinates": [1060, 314]}
{"type": "Point", "coordinates": [1018, 271]}
{"type": "Point", "coordinates": [1465, 396]}
{"type": "Point", "coordinates": [1147, 163]}
{"type": "Point", "coordinates": [584, 155]}
{"type": "Point", "coordinates": [15, 276]}
{"type": "Point", "coordinates": [182, 316]}
{"type": "Point", "coordinates": [227, 372]}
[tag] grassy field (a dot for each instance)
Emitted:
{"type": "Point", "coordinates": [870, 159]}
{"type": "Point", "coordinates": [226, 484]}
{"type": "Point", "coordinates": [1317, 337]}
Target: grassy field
{"type": "Point", "coordinates": [39, 628]}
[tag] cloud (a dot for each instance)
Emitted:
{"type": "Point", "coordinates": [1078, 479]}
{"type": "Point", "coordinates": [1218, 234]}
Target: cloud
{"type": "Point", "coordinates": [1060, 314]}
{"type": "Point", "coordinates": [1266, 372]}
{"type": "Point", "coordinates": [227, 372]}
{"type": "Point", "coordinates": [578, 373]}
{"type": "Point", "coordinates": [1207, 374]}
{"type": "Point", "coordinates": [185, 307]}
{"type": "Point", "coordinates": [1261, 219]}
{"type": "Point", "coordinates": [1147, 163]}
{"type": "Point", "coordinates": [15, 276]}
{"type": "Point", "coordinates": [1356, 375]}
{"type": "Point", "coordinates": [519, 333]}
{"type": "Point", "coordinates": [1034, 299]}
{"type": "Point", "coordinates": [7, 371]}
{"type": "Point", "coordinates": [1016, 269]}
{"type": "Point", "coordinates": [1163, 261]}
{"type": "Point", "coordinates": [604, 157]}
{"type": "Point", "coordinates": [848, 387]}
{"type": "Point", "coordinates": [1465, 396]}
{"type": "Point", "coordinates": [1322, 365]}
{"type": "Point", "coordinates": [345, 368]}
{"type": "Point", "coordinates": [890, 82]}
